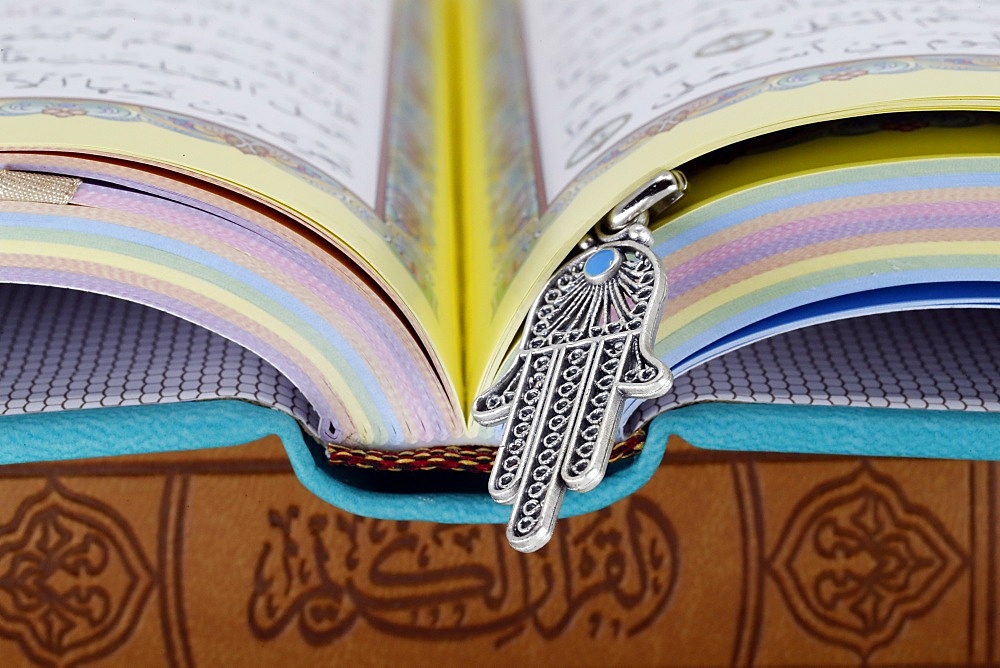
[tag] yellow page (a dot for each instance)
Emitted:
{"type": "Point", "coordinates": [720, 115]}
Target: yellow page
{"type": "Point", "coordinates": [335, 111]}
{"type": "Point", "coordinates": [813, 154]}
{"type": "Point", "coordinates": [618, 91]}
{"type": "Point", "coordinates": [754, 176]}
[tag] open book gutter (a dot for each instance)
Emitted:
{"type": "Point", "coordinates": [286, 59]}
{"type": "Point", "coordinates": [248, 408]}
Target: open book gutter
{"type": "Point", "coordinates": [587, 347]}
{"type": "Point", "coordinates": [561, 376]}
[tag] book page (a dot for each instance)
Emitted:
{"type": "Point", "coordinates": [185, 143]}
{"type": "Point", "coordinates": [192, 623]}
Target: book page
{"type": "Point", "coordinates": [308, 77]}
{"type": "Point", "coordinates": [333, 110]}
{"type": "Point", "coordinates": [607, 93]}
{"type": "Point", "coordinates": [601, 69]}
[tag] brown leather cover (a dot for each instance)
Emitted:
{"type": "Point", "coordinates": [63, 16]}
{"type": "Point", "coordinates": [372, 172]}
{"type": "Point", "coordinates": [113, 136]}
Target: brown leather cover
{"type": "Point", "coordinates": [221, 558]}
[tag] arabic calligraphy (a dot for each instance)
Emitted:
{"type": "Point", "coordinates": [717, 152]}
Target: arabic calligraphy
{"type": "Point", "coordinates": [314, 73]}
{"type": "Point", "coordinates": [330, 571]}
{"type": "Point", "coordinates": [594, 61]}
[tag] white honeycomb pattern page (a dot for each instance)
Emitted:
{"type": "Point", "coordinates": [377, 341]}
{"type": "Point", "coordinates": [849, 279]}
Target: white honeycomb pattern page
{"type": "Point", "coordinates": [936, 359]}
{"type": "Point", "coordinates": [67, 349]}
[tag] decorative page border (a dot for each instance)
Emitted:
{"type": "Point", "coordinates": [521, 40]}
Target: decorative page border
{"type": "Point", "coordinates": [409, 145]}
{"type": "Point", "coordinates": [707, 104]}
{"type": "Point", "coordinates": [189, 126]}
{"type": "Point", "coordinates": [512, 160]}
{"type": "Point", "coordinates": [408, 225]}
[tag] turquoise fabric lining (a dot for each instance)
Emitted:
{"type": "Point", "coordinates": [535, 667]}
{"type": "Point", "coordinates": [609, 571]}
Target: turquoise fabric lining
{"type": "Point", "coordinates": [208, 424]}
{"type": "Point", "coordinates": [721, 426]}
{"type": "Point", "coordinates": [877, 432]}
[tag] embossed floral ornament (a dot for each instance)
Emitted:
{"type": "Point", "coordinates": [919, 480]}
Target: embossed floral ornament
{"type": "Point", "coordinates": [857, 560]}
{"type": "Point", "coordinates": [73, 578]}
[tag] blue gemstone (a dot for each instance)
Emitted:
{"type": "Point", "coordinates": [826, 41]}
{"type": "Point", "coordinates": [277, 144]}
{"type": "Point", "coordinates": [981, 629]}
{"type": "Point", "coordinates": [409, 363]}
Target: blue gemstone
{"type": "Point", "coordinates": [601, 263]}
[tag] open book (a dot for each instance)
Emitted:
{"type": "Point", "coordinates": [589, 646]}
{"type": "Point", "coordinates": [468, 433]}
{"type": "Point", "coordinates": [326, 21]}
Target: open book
{"type": "Point", "coordinates": [344, 209]}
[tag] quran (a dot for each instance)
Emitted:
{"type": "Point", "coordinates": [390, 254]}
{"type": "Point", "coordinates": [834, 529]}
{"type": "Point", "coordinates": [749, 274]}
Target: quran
{"type": "Point", "coordinates": [340, 213]}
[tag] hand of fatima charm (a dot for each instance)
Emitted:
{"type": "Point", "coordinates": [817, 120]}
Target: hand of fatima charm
{"type": "Point", "coordinates": [586, 346]}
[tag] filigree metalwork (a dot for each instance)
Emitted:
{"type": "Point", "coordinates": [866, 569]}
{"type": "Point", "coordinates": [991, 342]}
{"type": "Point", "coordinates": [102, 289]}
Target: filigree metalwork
{"type": "Point", "coordinates": [587, 345]}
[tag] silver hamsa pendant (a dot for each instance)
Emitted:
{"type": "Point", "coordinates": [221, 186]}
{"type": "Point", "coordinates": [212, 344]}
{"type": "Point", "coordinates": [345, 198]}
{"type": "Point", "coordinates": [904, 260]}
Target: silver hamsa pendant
{"type": "Point", "coordinates": [586, 347]}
